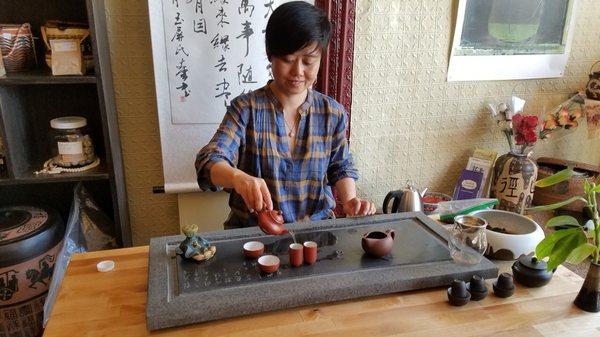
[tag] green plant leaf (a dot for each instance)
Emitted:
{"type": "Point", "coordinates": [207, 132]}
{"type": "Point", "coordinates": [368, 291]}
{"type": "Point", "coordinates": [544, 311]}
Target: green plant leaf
{"type": "Point", "coordinates": [596, 189]}
{"type": "Point", "coordinates": [562, 220]}
{"type": "Point", "coordinates": [580, 253]}
{"type": "Point", "coordinates": [563, 248]}
{"type": "Point", "coordinates": [556, 178]}
{"type": "Point", "coordinates": [587, 187]}
{"type": "Point", "coordinates": [556, 205]}
{"type": "Point", "coordinates": [546, 246]}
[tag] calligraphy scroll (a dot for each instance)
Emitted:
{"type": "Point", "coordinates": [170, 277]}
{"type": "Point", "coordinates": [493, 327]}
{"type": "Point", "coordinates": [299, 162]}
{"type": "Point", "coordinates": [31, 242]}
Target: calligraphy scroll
{"type": "Point", "coordinates": [215, 52]}
{"type": "Point", "coordinates": [205, 53]}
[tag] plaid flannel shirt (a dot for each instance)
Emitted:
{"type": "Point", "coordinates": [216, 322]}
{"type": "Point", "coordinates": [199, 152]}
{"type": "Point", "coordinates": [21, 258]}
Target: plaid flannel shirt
{"type": "Point", "coordinates": [252, 137]}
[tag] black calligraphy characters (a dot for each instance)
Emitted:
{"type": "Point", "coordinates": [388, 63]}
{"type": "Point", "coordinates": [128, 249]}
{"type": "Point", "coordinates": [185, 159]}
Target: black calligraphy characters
{"type": "Point", "coordinates": [247, 31]}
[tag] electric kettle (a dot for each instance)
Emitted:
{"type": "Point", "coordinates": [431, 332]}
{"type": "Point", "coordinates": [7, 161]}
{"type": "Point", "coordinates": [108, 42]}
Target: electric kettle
{"type": "Point", "coordinates": [408, 199]}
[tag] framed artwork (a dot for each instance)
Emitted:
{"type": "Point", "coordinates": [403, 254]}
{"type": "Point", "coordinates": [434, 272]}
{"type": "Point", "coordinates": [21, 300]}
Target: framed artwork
{"type": "Point", "coordinates": [511, 39]}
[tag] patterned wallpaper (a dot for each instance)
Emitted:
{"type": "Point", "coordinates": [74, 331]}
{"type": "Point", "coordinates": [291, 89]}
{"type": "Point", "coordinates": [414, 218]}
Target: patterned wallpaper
{"type": "Point", "coordinates": [131, 59]}
{"type": "Point", "coordinates": [407, 121]}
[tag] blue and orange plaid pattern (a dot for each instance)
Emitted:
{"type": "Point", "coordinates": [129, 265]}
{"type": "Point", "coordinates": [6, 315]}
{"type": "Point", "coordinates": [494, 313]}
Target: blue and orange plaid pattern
{"type": "Point", "coordinates": [252, 137]}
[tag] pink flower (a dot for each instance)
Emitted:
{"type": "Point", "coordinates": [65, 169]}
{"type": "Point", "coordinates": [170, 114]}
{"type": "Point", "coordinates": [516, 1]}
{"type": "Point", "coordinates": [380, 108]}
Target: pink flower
{"type": "Point", "coordinates": [530, 136]}
{"type": "Point", "coordinates": [530, 121]}
{"type": "Point", "coordinates": [524, 127]}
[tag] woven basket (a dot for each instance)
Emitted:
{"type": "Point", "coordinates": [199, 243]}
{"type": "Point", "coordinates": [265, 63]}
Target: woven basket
{"type": "Point", "coordinates": [55, 30]}
{"type": "Point", "coordinates": [566, 189]}
{"type": "Point", "coordinates": [17, 47]}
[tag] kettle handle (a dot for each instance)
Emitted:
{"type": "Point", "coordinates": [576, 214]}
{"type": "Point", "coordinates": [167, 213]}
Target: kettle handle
{"type": "Point", "coordinates": [395, 195]}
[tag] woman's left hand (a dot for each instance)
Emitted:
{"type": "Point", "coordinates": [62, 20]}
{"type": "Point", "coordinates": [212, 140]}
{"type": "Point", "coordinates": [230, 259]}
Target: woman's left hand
{"type": "Point", "coordinates": [358, 207]}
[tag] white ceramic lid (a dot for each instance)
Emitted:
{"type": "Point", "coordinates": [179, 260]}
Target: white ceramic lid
{"type": "Point", "coordinates": [69, 122]}
{"type": "Point", "coordinates": [105, 266]}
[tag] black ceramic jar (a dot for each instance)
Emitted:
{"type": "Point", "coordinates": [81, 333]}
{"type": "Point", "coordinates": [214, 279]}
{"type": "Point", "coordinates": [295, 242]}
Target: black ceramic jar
{"type": "Point", "coordinates": [531, 272]}
{"type": "Point", "coordinates": [30, 241]}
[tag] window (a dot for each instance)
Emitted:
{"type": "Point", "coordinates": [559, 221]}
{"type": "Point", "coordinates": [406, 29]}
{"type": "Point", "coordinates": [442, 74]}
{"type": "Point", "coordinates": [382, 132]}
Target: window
{"type": "Point", "coordinates": [511, 39]}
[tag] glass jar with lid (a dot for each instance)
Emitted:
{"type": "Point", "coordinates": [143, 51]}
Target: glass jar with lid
{"type": "Point", "coordinates": [73, 145]}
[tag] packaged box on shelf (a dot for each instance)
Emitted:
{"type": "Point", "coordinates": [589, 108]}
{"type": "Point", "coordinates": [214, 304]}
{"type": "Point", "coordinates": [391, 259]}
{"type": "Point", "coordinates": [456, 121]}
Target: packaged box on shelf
{"type": "Point", "coordinates": [66, 57]}
{"type": "Point", "coordinates": [483, 161]}
{"type": "Point", "coordinates": [468, 185]}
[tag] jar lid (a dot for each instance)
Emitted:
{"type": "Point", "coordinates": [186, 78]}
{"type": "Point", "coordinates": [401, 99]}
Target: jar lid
{"type": "Point", "coordinates": [69, 122]}
{"type": "Point", "coordinates": [27, 231]}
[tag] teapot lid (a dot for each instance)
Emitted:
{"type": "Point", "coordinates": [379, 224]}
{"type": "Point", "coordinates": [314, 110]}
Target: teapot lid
{"type": "Point", "coordinates": [532, 262]}
{"type": "Point", "coordinates": [410, 185]}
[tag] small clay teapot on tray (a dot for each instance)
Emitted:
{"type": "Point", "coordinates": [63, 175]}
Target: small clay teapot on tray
{"type": "Point", "coordinates": [377, 243]}
{"type": "Point", "coordinates": [271, 222]}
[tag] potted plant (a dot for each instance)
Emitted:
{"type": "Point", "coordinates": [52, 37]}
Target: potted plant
{"type": "Point", "coordinates": [576, 242]}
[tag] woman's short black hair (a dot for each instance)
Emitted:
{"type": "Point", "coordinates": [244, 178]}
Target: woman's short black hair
{"type": "Point", "coordinates": [293, 26]}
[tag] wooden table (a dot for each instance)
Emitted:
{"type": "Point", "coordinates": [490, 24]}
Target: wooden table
{"type": "Point", "coordinates": [91, 303]}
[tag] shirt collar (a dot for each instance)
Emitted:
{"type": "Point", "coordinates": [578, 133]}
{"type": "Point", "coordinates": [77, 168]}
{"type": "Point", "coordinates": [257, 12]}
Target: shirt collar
{"type": "Point", "coordinates": [304, 108]}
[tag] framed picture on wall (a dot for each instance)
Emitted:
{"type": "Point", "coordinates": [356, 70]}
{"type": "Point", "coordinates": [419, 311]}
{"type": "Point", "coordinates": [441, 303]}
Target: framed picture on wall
{"type": "Point", "coordinates": [511, 39]}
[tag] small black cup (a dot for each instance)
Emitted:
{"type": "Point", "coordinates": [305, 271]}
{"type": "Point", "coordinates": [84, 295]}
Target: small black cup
{"type": "Point", "coordinates": [504, 286]}
{"type": "Point", "coordinates": [477, 288]}
{"type": "Point", "coordinates": [458, 294]}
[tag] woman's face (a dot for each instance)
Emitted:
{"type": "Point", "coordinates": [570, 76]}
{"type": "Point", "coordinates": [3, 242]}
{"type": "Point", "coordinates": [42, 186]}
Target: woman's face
{"type": "Point", "coordinates": [293, 74]}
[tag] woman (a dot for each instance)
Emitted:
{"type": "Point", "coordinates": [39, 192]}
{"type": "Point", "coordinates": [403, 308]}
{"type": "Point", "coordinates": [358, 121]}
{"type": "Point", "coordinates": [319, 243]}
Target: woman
{"type": "Point", "coordinates": [283, 146]}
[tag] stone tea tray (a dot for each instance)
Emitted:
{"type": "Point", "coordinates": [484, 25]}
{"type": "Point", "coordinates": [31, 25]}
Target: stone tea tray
{"type": "Point", "coordinates": [183, 292]}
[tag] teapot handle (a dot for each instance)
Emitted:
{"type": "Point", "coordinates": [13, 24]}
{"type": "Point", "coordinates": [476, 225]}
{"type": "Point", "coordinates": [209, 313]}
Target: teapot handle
{"type": "Point", "coordinates": [395, 195]}
{"type": "Point", "coordinates": [392, 233]}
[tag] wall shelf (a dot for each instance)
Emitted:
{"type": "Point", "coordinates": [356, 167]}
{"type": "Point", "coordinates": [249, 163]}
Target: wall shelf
{"type": "Point", "coordinates": [29, 100]}
{"type": "Point", "coordinates": [44, 76]}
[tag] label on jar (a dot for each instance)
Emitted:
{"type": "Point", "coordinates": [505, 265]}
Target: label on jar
{"type": "Point", "coordinates": [70, 148]}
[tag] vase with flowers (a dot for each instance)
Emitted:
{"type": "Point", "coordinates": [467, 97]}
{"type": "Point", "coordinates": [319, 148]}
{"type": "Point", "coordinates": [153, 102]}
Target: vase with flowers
{"type": "Point", "coordinates": [515, 173]}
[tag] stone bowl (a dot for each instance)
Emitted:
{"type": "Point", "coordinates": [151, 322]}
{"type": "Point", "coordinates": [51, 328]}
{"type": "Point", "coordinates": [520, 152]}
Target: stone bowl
{"type": "Point", "coordinates": [509, 235]}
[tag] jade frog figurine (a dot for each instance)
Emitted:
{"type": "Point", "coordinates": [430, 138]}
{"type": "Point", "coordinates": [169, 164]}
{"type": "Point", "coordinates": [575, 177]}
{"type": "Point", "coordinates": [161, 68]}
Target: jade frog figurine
{"type": "Point", "coordinates": [194, 247]}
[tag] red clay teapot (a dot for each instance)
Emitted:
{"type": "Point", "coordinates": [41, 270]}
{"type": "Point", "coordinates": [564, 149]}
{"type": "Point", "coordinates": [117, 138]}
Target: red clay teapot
{"type": "Point", "coordinates": [271, 222]}
{"type": "Point", "coordinates": [378, 244]}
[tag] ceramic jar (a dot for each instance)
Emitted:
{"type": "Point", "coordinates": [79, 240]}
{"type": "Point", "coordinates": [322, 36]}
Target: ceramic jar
{"type": "Point", "coordinates": [73, 144]}
{"type": "Point", "coordinates": [30, 240]}
{"type": "Point", "coordinates": [513, 182]}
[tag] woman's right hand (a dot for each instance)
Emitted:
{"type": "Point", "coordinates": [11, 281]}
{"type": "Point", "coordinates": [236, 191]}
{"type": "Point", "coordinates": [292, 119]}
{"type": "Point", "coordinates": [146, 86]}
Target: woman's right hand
{"type": "Point", "coordinates": [253, 190]}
